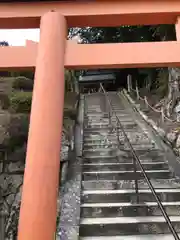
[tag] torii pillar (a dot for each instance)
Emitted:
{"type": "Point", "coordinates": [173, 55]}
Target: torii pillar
{"type": "Point", "coordinates": [177, 27]}
{"type": "Point", "coordinates": [41, 178]}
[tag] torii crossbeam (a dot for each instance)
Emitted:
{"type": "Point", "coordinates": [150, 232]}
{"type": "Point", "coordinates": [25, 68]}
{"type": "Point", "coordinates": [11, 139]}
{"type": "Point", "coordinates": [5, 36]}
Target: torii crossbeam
{"type": "Point", "coordinates": [49, 57]}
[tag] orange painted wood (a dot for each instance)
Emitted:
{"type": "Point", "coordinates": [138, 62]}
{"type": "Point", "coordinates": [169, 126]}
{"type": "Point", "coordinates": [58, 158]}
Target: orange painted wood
{"type": "Point", "coordinates": [177, 27]}
{"type": "Point", "coordinates": [41, 179]}
{"type": "Point", "coordinates": [82, 56]}
{"type": "Point", "coordinates": [92, 13]}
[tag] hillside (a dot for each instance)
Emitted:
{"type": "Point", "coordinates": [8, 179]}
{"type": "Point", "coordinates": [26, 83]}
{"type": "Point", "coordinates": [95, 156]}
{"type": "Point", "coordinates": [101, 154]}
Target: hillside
{"type": "Point", "coordinates": [15, 105]}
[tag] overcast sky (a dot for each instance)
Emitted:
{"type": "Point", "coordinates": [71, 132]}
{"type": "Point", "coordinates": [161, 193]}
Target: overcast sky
{"type": "Point", "coordinates": [18, 37]}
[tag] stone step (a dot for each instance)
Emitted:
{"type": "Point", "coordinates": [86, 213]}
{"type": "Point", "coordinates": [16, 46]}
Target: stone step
{"type": "Point", "coordinates": [127, 225]}
{"type": "Point", "coordinates": [100, 144]}
{"type": "Point", "coordinates": [134, 138]}
{"type": "Point", "coordinates": [97, 131]}
{"type": "Point", "coordinates": [132, 237]}
{"type": "Point", "coordinates": [96, 122]}
{"type": "Point", "coordinates": [95, 114]}
{"type": "Point", "coordinates": [172, 183]}
{"type": "Point", "coordinates": [100, 210]}
{"type": "Point", "coordinates": [129, 195]}
{"type": "Point", "coordinates": [125, 175]}
{"type": "Point", "coordinates": [121, 158]}
{"type": "Point", "coordinates": [103, 116]}
{"type": "Point", "coordinates": [88, 167]}
{"type": "Point", "coordinates": [97, 125]}
{"type": "Point", "coordinates": [91, 126]}
{"type": "Point", "coordinates": [96, 140]}
{"type": "Point", "coordinates": [150, 153]}
{"type": "Point", "coordinates": [91, 112]}
{"type": "Point", "coordinates": [114, 145]}
{"type": "Point", "coordinates": [122, 118]}
{"type": "Point", "coordinates": [116, 152]}
{"type": "Point", "coordinates": [138, 134]}
{"type": "Point", "coordinates": [100, 135]}
{"type": "Point", "coordinates": [138, 147]}
{"type": "Point", "coordinates": [109, 208]}
{"type": "Point", "coordinates": [100, 152]}
{"type": "Point", "coordinates": [89, 129]}
{"type": "Point", "coordinates": [110, 133]}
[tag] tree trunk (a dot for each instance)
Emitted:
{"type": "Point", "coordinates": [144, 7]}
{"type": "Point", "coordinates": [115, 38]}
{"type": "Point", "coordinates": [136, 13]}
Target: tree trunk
{"type": "Point", "coordinates": [173, 98]}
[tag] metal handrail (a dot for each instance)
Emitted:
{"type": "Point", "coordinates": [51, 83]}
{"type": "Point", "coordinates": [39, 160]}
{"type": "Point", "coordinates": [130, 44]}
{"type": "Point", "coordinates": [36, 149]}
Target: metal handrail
{"type": "Point", "coordinates": [136, 158]}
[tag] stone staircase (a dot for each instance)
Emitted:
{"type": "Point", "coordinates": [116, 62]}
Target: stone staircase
{"type": "Point", "coordinates": [109, 206]}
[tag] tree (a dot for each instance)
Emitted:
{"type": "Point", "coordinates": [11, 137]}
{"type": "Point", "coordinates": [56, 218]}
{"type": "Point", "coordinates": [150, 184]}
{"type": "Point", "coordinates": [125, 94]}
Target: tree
{"type": "Point", "coordinates": [4, 44]}
{"type": "Point", "coordinates": [169, 77]}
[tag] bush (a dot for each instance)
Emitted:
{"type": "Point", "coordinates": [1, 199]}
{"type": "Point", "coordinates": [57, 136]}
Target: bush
{"type": "Point", "coordinates": [21, 102]}
{"type": "Point", "coordinates": [4, 101]}
{"type": "Point", "coordinates": [70, 113]}
{"type": "Point", "coordinates": [163, 81]}
{"type": "Point", "coordinates": [17, 131]}
{"type": "Point", "coordinates": [23, 83]}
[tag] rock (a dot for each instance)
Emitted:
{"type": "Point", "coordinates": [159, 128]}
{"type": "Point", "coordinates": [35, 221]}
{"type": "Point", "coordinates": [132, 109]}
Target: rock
{"type": "Point", "coordinates": [171, 137]}
{"type": "Point", "coordinates": [64, 148]}
{"type": "Point", "coordinates": [177, 108]}
{"type": "Point", "coordinates": [161, 132]}
{"type": "Point", "coordinates": [178, 141]}
{"type": "Point", "coordinates": [177, 111]}
{"type": "Point", "coordinates": [138, 105]}
{"type": "Point", "coordinates": [64, 172]}
{"type": "Point", "coordinates": [64, 152]}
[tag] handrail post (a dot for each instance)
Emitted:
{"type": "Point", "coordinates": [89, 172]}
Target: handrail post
{"type": "Point", "coordinates": [137, 92]}
{"type": "Point", "coordinates": [117, 132]}
{"type": "Point", "coordinates": [146, 102]}
{"type": "Point", "coordinates": [136, 180]}
{"type": "Point", "coordinates": [99, 88]}
{"type": "Point", "coordinates": [129, 83]}
{"type": "Point", "coordinates": [109, 110]}
{"type": "Point", "coordinates": [162, 115]}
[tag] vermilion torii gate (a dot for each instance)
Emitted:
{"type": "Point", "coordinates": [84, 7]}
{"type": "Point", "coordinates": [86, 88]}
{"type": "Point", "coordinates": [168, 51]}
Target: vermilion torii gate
{"type": "Point", "coordinates": [49, 57]}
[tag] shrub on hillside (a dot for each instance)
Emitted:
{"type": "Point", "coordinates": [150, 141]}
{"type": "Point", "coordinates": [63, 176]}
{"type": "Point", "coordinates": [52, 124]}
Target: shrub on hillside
{"type": "Point", "coordinates": [17, 131]}
{"type": "Point", "coordinates": [23, 83]}
{"type": "Point", "coordinates": [4, 101]}
{"type": "Point", "coordinates": [20, 102]}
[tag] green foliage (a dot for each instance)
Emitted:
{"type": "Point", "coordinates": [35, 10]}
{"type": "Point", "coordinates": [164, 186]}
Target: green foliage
{"type": "Point", "coordinates": [17, 131]}
{"type": "Point", "coordinates": [4, 101]}
{"type": "Point", "coordinates": [162, 82]}
{"type": "Point", "coordinates": [23, 83]}
{"type": "Point", "coordinates": [68, 85]}
{"type": "Point", "coordinates": [70, 113]}
{"type": "Point", "coordinates": [117, 34]}
{"type": "Point", "coordinates": [20, 102]}
{"type": "Point", "coordinates": [4, 44]}
{"type": "Point", "coordinates": [27, 74]}
{"type": "Point", "coordinates": [164, 32]}
{"type": "Point", "coordinates": [70, 81]}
